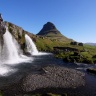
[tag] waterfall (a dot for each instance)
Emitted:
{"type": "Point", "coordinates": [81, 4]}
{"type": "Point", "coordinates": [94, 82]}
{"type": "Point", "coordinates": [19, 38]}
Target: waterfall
{"type": "Point", "coordinates": [11, 47]}
{"type": "Point", "coordinates": [10, 54]}
{"type": "Point", "coordinates": [31, 47]}
{"type": "Point", "coordinates": [9, 50]}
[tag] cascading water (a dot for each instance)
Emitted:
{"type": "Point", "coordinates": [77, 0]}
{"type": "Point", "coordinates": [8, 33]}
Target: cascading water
{"type": "Point", "coordinates": [31, 47]}
{"type": "Point", "coordinates": [10, 53]}
{"type": "Point", "coordinates": [11, 48]}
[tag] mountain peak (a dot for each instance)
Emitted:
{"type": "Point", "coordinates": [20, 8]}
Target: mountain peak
{"type": "Point", "coordinates": [48, 28]}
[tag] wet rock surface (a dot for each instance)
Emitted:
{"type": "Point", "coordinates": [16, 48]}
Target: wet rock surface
{"type": "Point", "coordinates": [49, 78]}
{"type": "Point", "coordinates": [54, 76]}
{"type": "Point", "coordinates": [47, 74]}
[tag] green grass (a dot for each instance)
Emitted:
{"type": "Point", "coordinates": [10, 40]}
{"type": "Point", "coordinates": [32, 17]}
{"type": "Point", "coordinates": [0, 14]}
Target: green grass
{"type": "Point", "coordinates": [48, 43]}
{"type": "Point", "coordinates": [1, 94]}
{"type": "Point", "coordinates": [90, 49]}
{"type": "Point", "coordinates": [86, 54]}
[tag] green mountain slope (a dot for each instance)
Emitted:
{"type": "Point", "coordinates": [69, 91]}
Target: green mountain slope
{"type": "Point", "coordinates": [50, 31]}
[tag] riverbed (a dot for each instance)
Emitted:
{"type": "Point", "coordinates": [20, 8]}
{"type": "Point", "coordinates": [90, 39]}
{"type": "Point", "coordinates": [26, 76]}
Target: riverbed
{"type": "Point", "coordinates": [40, 66]}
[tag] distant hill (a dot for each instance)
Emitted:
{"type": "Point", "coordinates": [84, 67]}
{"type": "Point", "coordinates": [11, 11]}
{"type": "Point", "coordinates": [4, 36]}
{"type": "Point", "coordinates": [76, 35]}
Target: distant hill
{"type": "Point", "coordinates": [50, 30]}
{"type": "Point", "coordinates": [92, 44]}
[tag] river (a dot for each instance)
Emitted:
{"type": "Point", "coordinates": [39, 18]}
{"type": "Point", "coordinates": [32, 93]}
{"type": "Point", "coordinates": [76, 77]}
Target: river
{"type": "Point", "coordinates": [42, 60]}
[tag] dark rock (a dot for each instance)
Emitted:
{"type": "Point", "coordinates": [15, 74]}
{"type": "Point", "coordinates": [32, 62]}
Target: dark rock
{"type": "Point", "coordinates": [2, 30]}
{"type": "Point", "coordinates": [80, 44]}
{"type": "Point", "coordinates": [74, 43]}
{"type": "Point", "coordinates": [76, 53]}
{"type": "Point", "coordinates": [2, 25]}
{"type": "Point", "coordinates": [91, 70]}
{"type": "Point", "coordinates": [27, 53]}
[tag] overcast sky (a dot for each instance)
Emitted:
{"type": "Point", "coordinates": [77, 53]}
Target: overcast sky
{"type": "Point", "coordinates": [75, 19]}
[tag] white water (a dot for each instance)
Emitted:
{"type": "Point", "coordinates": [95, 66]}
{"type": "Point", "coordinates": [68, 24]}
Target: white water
{"type": "Point", "coordinates": [10, 54]}
{"type": "Point", "coordinates": [31, 47]}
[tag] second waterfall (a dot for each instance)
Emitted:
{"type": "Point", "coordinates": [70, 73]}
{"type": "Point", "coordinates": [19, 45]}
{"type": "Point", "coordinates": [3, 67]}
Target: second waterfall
{"type": "Point", "coordinates": [31, 47]}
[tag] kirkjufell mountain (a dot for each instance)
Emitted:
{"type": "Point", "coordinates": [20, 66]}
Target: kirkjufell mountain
{"type": "Point", "coordinates": [49, 29]}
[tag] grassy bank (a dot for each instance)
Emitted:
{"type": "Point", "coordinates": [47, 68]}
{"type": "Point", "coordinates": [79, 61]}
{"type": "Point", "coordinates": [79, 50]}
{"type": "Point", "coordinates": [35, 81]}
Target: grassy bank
{"type": "Point", "coordinates": [83, 54]}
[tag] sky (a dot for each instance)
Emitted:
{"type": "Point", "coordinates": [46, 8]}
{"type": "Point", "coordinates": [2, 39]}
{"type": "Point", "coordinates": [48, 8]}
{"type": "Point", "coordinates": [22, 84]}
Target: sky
{"type": "Point", "coordinates": [75, 19]}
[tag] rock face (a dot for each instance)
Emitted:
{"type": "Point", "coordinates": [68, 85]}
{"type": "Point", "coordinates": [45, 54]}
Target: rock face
{"type": "Point", "coordinates": [49, 28]}
{"type": "Point", "coordinates": [2, 30]}
{"type": "Point", "coordinates": [2, 27]}
{"type": "Point", "coordinates": [16, 31]}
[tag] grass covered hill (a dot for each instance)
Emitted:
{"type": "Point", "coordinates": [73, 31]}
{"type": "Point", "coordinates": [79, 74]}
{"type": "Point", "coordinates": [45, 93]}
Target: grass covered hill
{"type": "Point", "coordinates": [49, 30]}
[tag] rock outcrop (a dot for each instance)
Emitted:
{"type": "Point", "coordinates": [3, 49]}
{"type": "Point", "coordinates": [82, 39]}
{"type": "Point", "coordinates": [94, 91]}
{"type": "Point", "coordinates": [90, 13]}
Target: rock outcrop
{"type": "Point", "coordinates": [16, 31]}
{"type": "Point", "coordinates": [2, 25]}
{"type": "Point", "coordinates": [2, 30]}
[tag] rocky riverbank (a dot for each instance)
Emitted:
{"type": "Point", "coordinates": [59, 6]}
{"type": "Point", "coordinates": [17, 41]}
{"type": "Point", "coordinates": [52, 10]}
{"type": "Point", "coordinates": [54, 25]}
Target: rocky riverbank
{"type": "Point", "coordinates": [52, 78]}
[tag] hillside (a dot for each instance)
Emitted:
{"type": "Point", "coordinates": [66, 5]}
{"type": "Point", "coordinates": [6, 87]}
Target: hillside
{"type": "Point", "coordinates": [49, 30]}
